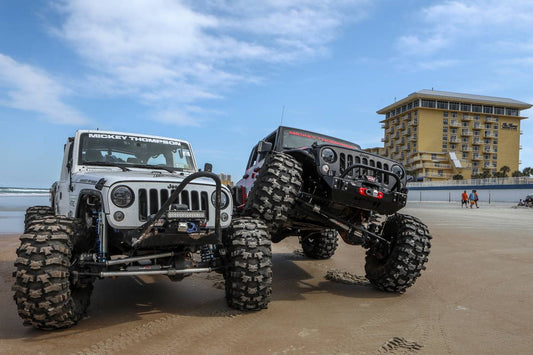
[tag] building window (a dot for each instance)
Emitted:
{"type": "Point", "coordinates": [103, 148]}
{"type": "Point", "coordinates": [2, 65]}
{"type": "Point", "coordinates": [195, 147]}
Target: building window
{"type": "Point", "coordinates": [454, 114]}
{"type": "Point", "coordinates": [476, 117]}
{"type": "Point", "coordinates": [444, 147]}
{"type": "Point", "coordinates": [454, 106]}
{"type": "Point", "coordinates": [415, 113]}
{"type": "Point", "coordinates": [428, 103]}
{"type": "Point", "coordinates": [445, 114]}
{"type": "Point", "coordinates": [499, 110]}
{"type": "Point", "coordinates": [476, 108]}
{"type": "Point", "coordinates": [465, 124]}
{"type": "Point", "coordinates": [465, 107]}
{"type": "Point", "coordinates": [495, 126]}
{"type": "Point", "coordinates": [453, 146]}
{"type": "Point", "coordinates": [511, 112]}
{"type": "Point", "coordinates": [495, 157]}
{"type": "Point", "coordinates": [453, 130]}
{"type": "Point", "coordinates": [445, 121]}
{"type": "Point", "coordinates": [442, 104]}
{"type": "Point", "coordinates": [487, 109]}
{"type": "Point", "coordinates": [494, 142]}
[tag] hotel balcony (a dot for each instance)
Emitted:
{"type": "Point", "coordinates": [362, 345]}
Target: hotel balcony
{"type": "Point", "coordinates": [478, 126]}
{"type": "Point", "coordinates": [467, 118]}
{"type": "Point", "coordinates": [454, 123]}
{"type": "Point", "coordinates": [477, 157]}
{"type": "Point", "coordinates": [466, 132]}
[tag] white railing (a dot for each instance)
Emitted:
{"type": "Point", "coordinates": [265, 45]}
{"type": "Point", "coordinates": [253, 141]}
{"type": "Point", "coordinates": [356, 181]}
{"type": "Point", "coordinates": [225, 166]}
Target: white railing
{"type": "Point", "coordinates": [489, 181]}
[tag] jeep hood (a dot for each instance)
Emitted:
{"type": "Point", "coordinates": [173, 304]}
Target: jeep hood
{"type": "Point", "coordinates": [93, 175]}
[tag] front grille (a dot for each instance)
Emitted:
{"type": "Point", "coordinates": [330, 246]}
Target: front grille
{"type": "Point", "coordinates": [151, 200]}
{"type": "Point", "coordinates": [347, 160]}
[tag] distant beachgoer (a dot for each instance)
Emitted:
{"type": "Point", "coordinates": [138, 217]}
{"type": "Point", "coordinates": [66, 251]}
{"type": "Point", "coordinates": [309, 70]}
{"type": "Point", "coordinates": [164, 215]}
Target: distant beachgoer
{"type": "Point", "coordinates": [521, 203]}
{"type": "Point", "coordinates": [476, 198]}
{"type": "Point", "coordinates": [464, 199]}
{"type": "Point", "coordinates": [472, 198]}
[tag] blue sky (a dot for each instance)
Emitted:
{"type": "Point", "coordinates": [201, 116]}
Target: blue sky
{"type": "Point", "coordinates": [218, 73]}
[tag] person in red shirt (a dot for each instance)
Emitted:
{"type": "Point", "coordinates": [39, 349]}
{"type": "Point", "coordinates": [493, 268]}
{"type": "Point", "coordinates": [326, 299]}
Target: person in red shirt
{"type": "Point", "coordinates": [464, 199]}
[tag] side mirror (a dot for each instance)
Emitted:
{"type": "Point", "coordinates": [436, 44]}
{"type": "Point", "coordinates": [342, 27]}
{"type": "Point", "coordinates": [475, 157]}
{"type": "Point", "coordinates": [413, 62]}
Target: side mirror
{"type": "Point", "coordinates": [208, 167]}
{"type": "Point", "coordinates": [264, 147]}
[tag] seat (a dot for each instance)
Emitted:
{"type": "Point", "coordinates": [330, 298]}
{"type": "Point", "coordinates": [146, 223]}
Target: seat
{"type": "Point", "coordinates": [94, 156]}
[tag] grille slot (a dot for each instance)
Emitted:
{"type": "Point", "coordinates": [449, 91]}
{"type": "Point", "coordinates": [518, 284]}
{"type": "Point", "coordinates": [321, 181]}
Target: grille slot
{"type": "Point", "coordinates": [346, 160]}
{"type": "Point", "coordinates": [151, 200]}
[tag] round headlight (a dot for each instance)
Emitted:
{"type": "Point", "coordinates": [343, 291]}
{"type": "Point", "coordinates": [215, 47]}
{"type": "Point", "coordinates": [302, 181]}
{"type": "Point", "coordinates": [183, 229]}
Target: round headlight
{"type": "Point", "coordinates": [328, 155]}
{"type": "Point", "coordinates": [224, 200]}
{"type": "Point", "coordinates": [396, 169]}
{"type": "Point", "coordinates": [122, 196]}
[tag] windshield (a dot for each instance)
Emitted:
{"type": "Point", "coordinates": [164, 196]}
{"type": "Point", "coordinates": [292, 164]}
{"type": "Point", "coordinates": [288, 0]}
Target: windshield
{"type": "Point", "coordinates": [294, 139]}
{"type": "Point", "coordinates": [136, 151]}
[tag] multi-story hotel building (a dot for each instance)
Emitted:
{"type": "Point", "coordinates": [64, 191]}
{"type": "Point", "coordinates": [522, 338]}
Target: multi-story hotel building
{"type": "Point", "coordinates": [438, 134]}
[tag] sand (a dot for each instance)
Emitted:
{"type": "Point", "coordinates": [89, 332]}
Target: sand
{"type": "Point", "coordinates": [476, 297]}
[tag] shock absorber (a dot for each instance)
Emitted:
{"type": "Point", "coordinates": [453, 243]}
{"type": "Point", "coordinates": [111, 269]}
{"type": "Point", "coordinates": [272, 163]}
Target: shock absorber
{"type": "Point", "coordinates": [101, 239]}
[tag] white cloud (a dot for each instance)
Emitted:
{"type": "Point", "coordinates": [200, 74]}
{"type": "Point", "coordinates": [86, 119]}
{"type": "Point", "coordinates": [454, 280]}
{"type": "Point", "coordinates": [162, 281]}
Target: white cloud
{"type": "Point", "coordinates": [25, 87]}
{"type": "Point", "coordinates": [182, 51]}
{"type": "Point", "coordinates": [470, 25]}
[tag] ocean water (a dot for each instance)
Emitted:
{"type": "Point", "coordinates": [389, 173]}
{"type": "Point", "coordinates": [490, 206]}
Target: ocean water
{"type": "Point", "coordinates": [13, 205]}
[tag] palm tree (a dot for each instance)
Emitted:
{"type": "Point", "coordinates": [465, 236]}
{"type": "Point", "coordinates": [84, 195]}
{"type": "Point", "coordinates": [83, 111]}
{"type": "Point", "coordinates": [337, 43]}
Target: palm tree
{"type": "Point", "coordinates": [505, 169]}
{"type": "Point", "coordinates": [527, 171]}
{"type": "Point", "coordinates": [516, 173]}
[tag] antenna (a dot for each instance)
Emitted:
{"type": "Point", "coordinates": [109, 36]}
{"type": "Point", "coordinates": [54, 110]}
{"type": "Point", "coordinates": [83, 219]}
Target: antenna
{"type": "Point", "coordinates": [282, 114]}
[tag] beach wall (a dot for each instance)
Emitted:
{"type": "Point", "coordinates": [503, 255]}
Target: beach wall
{"type": "Point", "coordinates": [486, 193]}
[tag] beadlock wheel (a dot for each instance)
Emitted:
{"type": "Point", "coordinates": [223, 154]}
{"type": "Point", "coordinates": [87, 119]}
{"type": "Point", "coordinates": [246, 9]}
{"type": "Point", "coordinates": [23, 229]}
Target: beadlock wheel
{"type": "Point", "coordinates": [399, 268]}
{"type": "Point", "coordinates": [44, 289]}
{"type": "Point", "coordinates": [274, 192]}
{"type": "Point", "coordinates": [249, 270]}
{"type": "Point", "coordinates": [320, 245]}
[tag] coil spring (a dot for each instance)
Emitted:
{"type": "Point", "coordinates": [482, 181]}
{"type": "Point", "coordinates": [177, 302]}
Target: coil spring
{"type": "Point", "coordinates": [207, 253]}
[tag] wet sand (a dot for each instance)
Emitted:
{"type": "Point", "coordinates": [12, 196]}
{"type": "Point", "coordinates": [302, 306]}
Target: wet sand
{"type": "Point", "coordinates": [476, 297]}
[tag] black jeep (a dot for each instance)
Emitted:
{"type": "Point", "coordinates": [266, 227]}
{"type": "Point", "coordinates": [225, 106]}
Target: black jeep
{"type": "Point", "coordinates": [318, 187]}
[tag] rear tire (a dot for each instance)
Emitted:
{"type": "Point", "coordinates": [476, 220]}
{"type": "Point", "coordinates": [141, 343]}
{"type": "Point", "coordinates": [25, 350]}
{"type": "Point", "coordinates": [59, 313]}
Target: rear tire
{"type": "Point", "coordinates": [46, 293]}
{"type": "Point", "coordinates": [398, 268]}
{"type": "Point", "coordinates": [320, 245]}
{"type": "Point", "coordinates": [274, 192]}
{"type": "Point", "coordinates": [35, 213]}
{"type": "Point", "coordinates": [249, 270]}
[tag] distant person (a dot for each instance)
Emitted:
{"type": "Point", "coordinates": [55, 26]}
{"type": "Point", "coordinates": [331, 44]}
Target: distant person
{"type": "Point", "coordinates": [521, 203]}
{"type": "Point", "coordinates": [464, 199]}
{"type": "Point", "coordinates": [476, 198]}
{"type": "Point", "coordinates": [472, 198]}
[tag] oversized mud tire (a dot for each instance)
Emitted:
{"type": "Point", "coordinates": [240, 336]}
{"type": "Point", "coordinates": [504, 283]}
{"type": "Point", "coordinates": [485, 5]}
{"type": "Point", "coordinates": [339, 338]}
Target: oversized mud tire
{"type": "Point", "coordinates": [274, 192]}
{"type": "Point", "coordinates": [249, 270]}
{"type": "Point", "coordinates": [36, 212]}
{"type": "Point", "coordinates": [44, 288]}
{"type": "Point", "coordinates": [320, 245]}
{"type": "Point", "coordinates": [398, 268]}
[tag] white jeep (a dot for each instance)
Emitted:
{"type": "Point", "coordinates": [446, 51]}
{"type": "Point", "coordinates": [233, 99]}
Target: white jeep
{"type": "Point", "coordinates": [130, 204]}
